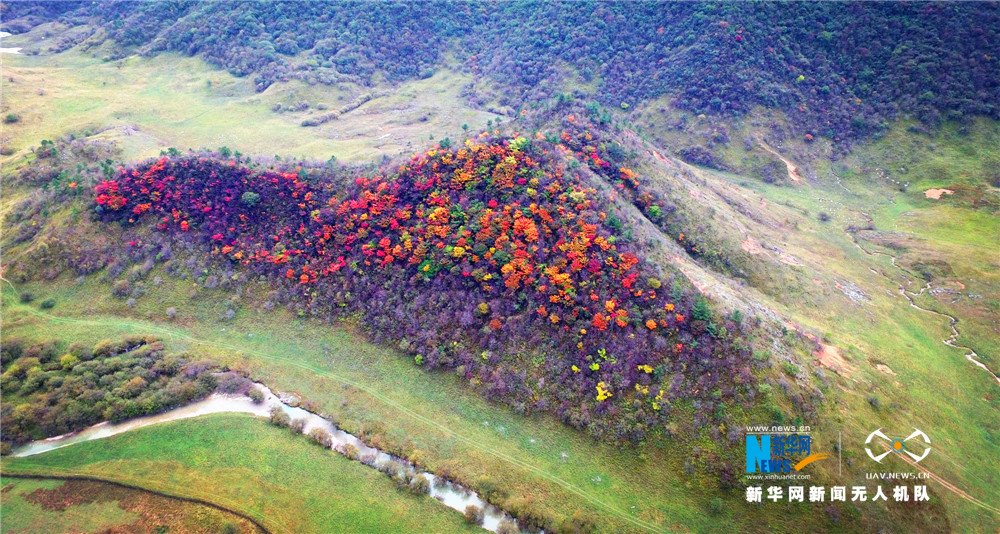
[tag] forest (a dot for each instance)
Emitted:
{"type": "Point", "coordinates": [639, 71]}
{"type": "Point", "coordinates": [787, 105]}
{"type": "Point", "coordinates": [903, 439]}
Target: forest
{"type": "Point", "coordinates": [839, 70]}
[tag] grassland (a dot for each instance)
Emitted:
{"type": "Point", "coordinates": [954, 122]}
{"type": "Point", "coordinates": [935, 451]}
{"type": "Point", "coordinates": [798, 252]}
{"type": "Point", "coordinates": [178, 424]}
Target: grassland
{"type": "Point", "coordinates": [149, 104]}
{"type": "Point", "coordinates": [281, 479]}
{"type": "Point", "coordinates": [21, 515]}
{"type": "Point", "coordinates": [32, 505]}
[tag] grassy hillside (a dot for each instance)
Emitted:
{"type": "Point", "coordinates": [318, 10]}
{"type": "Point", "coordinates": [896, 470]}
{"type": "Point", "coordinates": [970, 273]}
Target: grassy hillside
{"type": "Point", "coordinates": [148, 104]}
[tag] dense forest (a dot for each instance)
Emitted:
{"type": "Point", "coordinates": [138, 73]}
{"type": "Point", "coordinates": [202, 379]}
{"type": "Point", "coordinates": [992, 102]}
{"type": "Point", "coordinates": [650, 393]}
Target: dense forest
{"type": "Point", "coordinates": [840, 70]}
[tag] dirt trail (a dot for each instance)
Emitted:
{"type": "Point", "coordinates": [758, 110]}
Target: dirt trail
{"type": "Point", "coordinates": [948, 485]}
{"type": "Point", "coordinates": [793, 170]}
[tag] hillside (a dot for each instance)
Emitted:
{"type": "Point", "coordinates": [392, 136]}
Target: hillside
{"type": "Point", "coordinates": [562, 256]}
{"type": "Point", "coordinates": [841, 72]}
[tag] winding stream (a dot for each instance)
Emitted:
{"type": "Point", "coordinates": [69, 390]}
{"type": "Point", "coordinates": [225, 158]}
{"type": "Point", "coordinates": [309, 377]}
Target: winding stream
{"type": "Point", "coordinates": [952, 341]}
{"type": "Point", "coordinates": [450, 494]}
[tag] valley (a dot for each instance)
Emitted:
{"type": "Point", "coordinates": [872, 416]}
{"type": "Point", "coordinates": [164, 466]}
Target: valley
{"type": "Point", "coordinates": [784, 280]}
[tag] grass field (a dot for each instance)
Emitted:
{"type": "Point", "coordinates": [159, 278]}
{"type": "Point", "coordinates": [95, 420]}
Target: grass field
{"type": "Point", "coordinates": [169, 100]}
{"type": "Point", "coordinates": [21, 515]}
{"type": "Point", "coordinates": [31, 505]}
{"type": "Point", "coordinates": [283, 480]}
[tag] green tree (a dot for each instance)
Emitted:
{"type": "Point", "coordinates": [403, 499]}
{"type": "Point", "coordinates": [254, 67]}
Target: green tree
{"type": "Point", "coordinates": [700, 310]}
{"type": "Point", "coordinates": [250, 199]}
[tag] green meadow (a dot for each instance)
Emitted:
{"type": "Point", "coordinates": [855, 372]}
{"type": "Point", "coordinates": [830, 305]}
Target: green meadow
{"type": "Point", "coordinates": [230, 460]}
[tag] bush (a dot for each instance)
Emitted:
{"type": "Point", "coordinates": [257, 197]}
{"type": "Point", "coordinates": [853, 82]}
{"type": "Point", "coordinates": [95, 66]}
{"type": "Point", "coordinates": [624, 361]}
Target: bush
{"type": "Point", "coordinates": [351, 452]}
{"type": "Point", "coordinates": [105, 347]}
{"type": "Point", "coordinates": [474, 515]}
{"type": "Point", "coordinates": [715, 507]}
{"type": "Point", "coordinates": [11, 118]}
{"type": "Point", "coordinates": [297, 425]}
{"type": "Point", "coordinates": [279, 417]}
{"type": "Point", "coordinates": [420, 485]}
{"type": "Point", "coordinates": [321, 437]}
{"type": "Point", "coordinates": [171, 313]}
{"type": "Point", "coordinates": [68, 361]}
{"type": "Point", "coordinates": [824, 216]}
{"type": "Point", "coordinates": [250, 199]}
{"type": "Point", "coordinates": [48, 304]}
{"type": "Point", "coordinates": [256, 395]}
{"type": "Point", "coordinates": [121, 288]}
{"type": "Point", "coordinates": [508, 527]}
{"type": "Point", "coordinates": [26, 297]}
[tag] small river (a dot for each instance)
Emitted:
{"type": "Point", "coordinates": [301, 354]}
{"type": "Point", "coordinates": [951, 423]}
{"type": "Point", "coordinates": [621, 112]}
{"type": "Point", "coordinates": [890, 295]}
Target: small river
{"type": "Point", "coordinates": [450, 494]}
{"type": "Point", "coordinates": [16, 50]}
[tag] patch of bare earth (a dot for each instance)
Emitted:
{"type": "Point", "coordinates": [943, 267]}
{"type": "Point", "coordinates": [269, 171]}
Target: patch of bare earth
{"type": "Point", "coordinates": [936, 193]}
{"type": "Point", "coordinates": [793, 170]}
{"type": "Point", "coordinates": [830, 357]}
{"type": "Point", "coordinates": [883, 368]}
{"type": "Point", "coordinates": [154, 511]}
{"type": "Point", "coordinates": [788, 259]}
{"type": "Point", "coordinates": [752, 246]}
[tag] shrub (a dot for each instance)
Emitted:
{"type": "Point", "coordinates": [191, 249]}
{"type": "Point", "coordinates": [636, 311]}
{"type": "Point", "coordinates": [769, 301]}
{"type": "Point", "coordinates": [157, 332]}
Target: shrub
{"type": "Point", "coordinates": [48, 304]}
{"type": "Point", "coordinates": [171, 313]}
{"type": "Point", "coordinates": [321, 437]}
{"type": "Point", "coordinates": [26, 297]}
{"type": "Point", "coordinates": [824, 216]}
{"type": "Point", "coordinates": [256, 395]}
{"type": "Point", "coordinates": [715, 506]}
{"type": "Point", "coordinates": [297, 425]}
{"type": "Point", "coordinates": [474, 515]}
{"type": "Point", "coordinates": [68, 361]}
{"type": "Point", "coordinates": [420, 485]}
{"type": "Point", "coordinates": [508, 527]}
{"type": "Point", "coordinates": [351, 452]}
{"type": "Point", "coordinates": [105, 347]}
{"type": "Point", "coordinates": [121, 288]}
{"type": "Point", "coordinates": [250, 199]}
{"type": "Point", "coordinates": [279, 417]}
{"type": "Point", "coordinates": [11, 118]}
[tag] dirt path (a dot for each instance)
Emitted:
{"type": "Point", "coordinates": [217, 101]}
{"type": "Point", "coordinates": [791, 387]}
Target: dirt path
{"type": "Point", "coordinates": [793, 170]}
{"type": "Point", "coordinates": [948, 485]}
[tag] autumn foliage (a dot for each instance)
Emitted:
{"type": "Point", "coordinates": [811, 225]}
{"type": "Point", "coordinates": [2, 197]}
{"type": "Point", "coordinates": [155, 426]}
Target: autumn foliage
{"type": "Point", "coordinates": [492, 259]}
